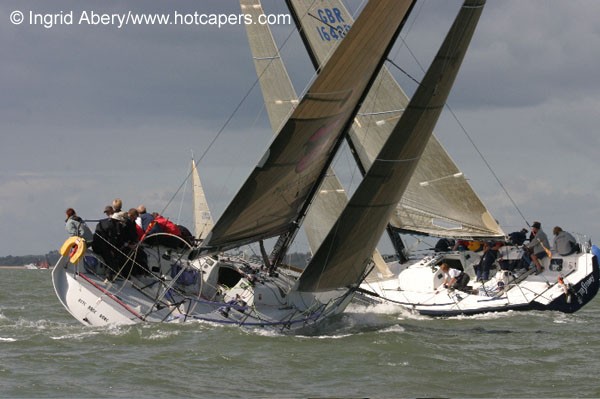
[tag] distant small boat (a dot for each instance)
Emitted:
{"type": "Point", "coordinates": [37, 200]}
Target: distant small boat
{"type": "Point", "coordinates": [41, 264]}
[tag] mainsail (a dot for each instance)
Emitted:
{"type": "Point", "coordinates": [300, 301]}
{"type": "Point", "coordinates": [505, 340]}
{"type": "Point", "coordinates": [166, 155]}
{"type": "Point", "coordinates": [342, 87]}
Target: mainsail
{"type": "Point", "coordinates": [280, 98]}
{"type": "Point", "coordinates": [438, 200]}
{"type": "Point", "coordinates": [345, 253]}
{"type": "Point", "coordinates": [203, 222]}
{"type": "Point", "coordinates": [274, 198]}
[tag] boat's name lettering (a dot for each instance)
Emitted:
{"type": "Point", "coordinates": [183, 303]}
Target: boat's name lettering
{"type": "Point", "coordinates": [585, 285]}
{"type": "Point", "coordinates": [334, 26]}
{"type": "Point", "coordinates": [92, 309]}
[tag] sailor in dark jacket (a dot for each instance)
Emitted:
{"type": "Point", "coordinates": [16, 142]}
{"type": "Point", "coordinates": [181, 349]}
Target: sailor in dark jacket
{"type": "Point", "coordinates": [487, 262]}
{"type": "Point", "coordinates": [518, 237]}
{"type": "Point", "coordinates": [114, 239]}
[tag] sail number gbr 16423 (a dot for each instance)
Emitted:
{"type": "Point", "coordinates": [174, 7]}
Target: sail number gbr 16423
{"type": "Point", "coordinates": [334, 26]}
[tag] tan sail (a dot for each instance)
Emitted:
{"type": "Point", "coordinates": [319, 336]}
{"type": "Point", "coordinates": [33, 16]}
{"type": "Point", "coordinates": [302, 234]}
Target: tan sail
{"type": "Point", "coordinates": [435, 202]}
{"type": "Point", "coordinates": [203, 222]}
{"type": "Point", "coordinates": [280, 99]}
{"type": "Point", "coordinates": [344, 255]}
{"type": "Point", "coordinates": [275, 194]}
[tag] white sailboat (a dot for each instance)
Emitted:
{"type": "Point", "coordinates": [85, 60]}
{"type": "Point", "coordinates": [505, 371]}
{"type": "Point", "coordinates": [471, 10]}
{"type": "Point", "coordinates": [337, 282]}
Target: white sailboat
{"type": "Point", "coordinates": [440, 202]}
{"type": "Point", "coordinates": [180, 284]}
{"type": "Point", "coordinates": [203, 221]}
{"type": "Point", "coordinates": [566, 285]}
{"type": "Point", "coordinates": [422, 208]}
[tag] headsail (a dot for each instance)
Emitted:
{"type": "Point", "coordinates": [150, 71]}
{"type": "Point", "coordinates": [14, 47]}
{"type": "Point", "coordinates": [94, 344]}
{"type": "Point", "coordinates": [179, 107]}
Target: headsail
{"type": "Point", "coordinates": [203, 222]}
{"type": "Point", "coordinates": [280, 98]}
{"type": "Point", "coordinates": [275, 195]}
{"type": "Point", "coordinates": [344, 255]}
{"type": "Point", "coordinates": [434, 203]}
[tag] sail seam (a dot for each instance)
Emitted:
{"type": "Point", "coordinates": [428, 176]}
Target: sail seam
{"type": "Point", "coordinates": [381, 112]}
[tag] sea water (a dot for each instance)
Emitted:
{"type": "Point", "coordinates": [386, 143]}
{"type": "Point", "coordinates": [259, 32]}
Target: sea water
{"type": "Point", "coordinates": [377, 353]}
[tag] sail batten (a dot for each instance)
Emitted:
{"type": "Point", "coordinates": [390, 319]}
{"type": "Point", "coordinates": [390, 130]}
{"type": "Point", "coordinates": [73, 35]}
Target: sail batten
{"type": "Point", "coordinates": [343, 257]}
{"type": "Point", "coordinates": [373, 126]}
{"type": "Point", "coordinates": [276, 192]}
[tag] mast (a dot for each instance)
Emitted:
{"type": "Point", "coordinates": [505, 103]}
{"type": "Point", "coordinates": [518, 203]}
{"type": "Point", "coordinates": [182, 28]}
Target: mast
{"type": "Point", "coordinates": [286, 239]}
{"type": "Point", "coordinates": [393, 234]}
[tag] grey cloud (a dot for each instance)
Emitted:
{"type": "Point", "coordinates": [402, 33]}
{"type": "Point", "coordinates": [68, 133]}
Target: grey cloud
{"type": "Point", "coordinates": [91, 113]}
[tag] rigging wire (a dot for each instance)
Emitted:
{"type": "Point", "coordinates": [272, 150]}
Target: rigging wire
{"type": "Point", "coordinates": [227, 122]}
{"type": "Point", "coordinates": [181, 204]}
{"type": "Point", "coordinates": [487, 163]}
{"type": "Point", "coordinates": [404, 72]}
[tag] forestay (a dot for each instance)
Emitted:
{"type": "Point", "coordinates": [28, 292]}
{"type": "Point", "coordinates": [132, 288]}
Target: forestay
{"type": "Point", "coordinates": [275, 194]}
{"type": "Point", "coordinates": [343, 257]}
{"type": "Point", "coordinates": [435, 201]}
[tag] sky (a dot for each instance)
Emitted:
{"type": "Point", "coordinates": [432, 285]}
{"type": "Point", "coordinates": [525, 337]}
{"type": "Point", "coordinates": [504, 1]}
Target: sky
{"type": "Point", "coordinates": [91, 112]}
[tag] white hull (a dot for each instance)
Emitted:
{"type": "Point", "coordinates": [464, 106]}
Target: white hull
{"type": "Point", "coordinates": [229, 291]}
{"type": "Point", "coordinates": [418, 288]}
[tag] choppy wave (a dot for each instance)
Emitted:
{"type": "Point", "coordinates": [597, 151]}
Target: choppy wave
{"type": "Point", "coordinates": [378, 351]}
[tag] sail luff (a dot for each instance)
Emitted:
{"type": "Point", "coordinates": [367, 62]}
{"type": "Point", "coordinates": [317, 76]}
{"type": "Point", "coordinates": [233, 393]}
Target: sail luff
{"type": "Point", "coordinates": [298, 14]}
{"type": "Point", "coordinates": [448, 207]}
{"type": "Point", "coordinates": [342, 259]}
{"type": "Point", "coordinates": [278, 92]}
{"type": "Point", "coordinates": [278, 190]}
{"type": "Point", "coordinates": [203, 222]}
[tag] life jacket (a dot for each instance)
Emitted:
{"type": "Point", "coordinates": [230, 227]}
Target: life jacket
{"type": "Point", "coordinates": [474, 246]}
{"type": "Point", "coordinates": [167, 226]}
